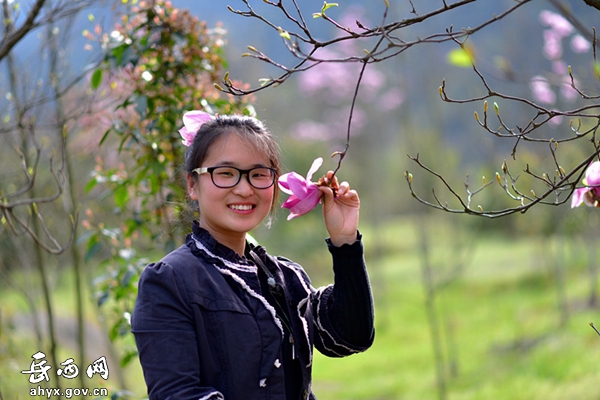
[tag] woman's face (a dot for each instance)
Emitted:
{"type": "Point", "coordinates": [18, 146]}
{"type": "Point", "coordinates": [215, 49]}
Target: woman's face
{"type": "Point", "coordinates": [228, 214]}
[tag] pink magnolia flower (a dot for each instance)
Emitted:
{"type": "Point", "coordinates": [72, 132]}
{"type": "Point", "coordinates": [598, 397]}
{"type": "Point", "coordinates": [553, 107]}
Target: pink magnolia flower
{"type": "Point", "coordinates": [541, 90]}
{"type": "Point", "coordinates": [192, 121]}
{"type": "Point", "coordinates": [304, 194]}
{"type": "Point", "coordinates": [557, 23]}
{"type": "Point", "coordinates": [589, 195]}
{"type": "Point", "coordinates": [579, 44]}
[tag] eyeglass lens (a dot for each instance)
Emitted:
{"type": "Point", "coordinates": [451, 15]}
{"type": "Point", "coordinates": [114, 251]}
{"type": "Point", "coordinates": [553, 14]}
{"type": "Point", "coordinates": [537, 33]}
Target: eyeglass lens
{"type": "Point", "coordinates": [226, 177]}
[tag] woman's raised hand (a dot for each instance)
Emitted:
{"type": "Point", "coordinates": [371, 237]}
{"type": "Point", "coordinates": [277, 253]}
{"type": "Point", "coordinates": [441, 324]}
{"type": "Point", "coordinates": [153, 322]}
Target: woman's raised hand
{"type": "Point", "coordinates": [340, 211]}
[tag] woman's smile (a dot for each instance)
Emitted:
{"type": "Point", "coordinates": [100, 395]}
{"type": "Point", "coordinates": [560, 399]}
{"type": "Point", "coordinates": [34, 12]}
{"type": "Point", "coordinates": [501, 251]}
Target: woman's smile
{"type": "Point", "coordinates": [242, 207]}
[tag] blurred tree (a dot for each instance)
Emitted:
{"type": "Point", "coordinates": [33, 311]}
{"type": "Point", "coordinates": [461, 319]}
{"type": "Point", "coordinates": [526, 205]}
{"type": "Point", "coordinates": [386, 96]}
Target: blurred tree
{"type": "Point", "coordinates": [38, 197]}
{"type": "Point", "coordinates": [40, 14]}
{"type": "Point", "coordinates": [160, 61]}
{"type": "Point", "coordinates": [19, 115]}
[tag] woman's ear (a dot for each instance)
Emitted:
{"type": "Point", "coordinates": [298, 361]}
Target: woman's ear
{"type": "Point", "coordinates": [192, 184]}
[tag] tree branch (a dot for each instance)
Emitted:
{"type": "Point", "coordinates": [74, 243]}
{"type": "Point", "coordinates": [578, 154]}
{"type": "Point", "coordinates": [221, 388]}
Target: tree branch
{"type": "Point", "coordinates": [12, 35]}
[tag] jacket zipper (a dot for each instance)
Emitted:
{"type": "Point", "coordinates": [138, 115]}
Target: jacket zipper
{"type": "Point", "coordinates": [293, 347]}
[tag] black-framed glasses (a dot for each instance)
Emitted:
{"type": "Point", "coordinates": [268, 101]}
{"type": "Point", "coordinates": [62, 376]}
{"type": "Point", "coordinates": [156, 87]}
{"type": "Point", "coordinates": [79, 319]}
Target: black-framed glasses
{"type": "Point", "coordinates": [228, 177]}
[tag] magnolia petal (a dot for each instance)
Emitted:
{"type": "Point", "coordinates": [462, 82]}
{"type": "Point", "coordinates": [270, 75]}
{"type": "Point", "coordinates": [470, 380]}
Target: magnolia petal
{"type": "Point", "coordinates": [187, 136]}
{"type": "Point", "coordinates": [292, 216]}
{"type": "Point", "coordinates": [290, 202]}
{"type": "Point", "coordinates": [284, 179]}
{"type": "Point", "coordinates": [305, 205]}
{"type": "Point", "coordinates": [314, 167]}
{"type": "Point", "coordinates": [192, 121]}
{"type": "Point", "coordinates": [196, 118]}
{"type": "Point", "coordinates": [578, 197]}
{"type": "Point", "coordinates": [299, 186]}
{"type": "Point", "coordinates": [592, 175]}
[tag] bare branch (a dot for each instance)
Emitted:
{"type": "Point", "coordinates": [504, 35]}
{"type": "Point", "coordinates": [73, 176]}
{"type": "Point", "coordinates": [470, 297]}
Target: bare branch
{"type": "Point", "coordinates": [12, 35]}
{"type": "Point", "coordinates": [10, 203]}
{"type": "Point", "coordinates": [566, 182]}
{"type": "Point", "coordinates": [593, 3]}
{"type": "Point", "coordinates": [383, 42]}
{"type": "Point", "coordinates": [382, 34]}
{"type": "Point", "coordinates": [37, 17]}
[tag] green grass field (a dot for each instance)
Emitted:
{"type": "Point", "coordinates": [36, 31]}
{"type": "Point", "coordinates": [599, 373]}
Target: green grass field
{"type": "Point", "coordinates": [502, 334]}
{"type": "Point", "coordinates": [506, 328]}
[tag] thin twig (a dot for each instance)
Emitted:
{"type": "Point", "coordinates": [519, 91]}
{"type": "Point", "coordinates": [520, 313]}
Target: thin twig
{"type": "Point", "coordinates": [594, 328]}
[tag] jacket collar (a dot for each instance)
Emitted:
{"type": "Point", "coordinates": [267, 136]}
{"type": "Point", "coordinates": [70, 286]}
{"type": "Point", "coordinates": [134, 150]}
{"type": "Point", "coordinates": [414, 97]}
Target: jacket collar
{"type": "Point", "coordinates": [213, 246]}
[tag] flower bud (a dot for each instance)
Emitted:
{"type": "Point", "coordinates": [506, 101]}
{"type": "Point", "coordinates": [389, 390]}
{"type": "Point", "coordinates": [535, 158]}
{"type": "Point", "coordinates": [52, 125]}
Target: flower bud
{"type": "Point", "coordinates": [284, 34]}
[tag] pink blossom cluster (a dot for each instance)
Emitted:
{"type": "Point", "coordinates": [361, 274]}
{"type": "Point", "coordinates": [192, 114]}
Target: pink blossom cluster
{"type": "Point", "coordinates": [590, 194]}
{"type": "Point", "coordinates": [557, 29]}
{"type": "Point", "coordinates": [335, 82]}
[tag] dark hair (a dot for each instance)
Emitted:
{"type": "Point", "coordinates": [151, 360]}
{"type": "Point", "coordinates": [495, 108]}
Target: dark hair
{"type": "Point", "coordinates": [248, 129]}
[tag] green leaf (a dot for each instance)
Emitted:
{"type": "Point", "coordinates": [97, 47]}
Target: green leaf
{"type": "Point", "coordinates": [597, 69]}
{"type": "Point", "coordinates": [97, 78]}
{"type": "Point", "coordinates": [126, 279]}
{"type": "Point", "coordinates": [327, 6]}
{"type": "Point", "coordinates": [104, 137]}
{"type": "Point", "coordinates": [128, 357]}
{"type": "Point", "coordinates": [121, 196]}
{"type": "Point", "coordinates": [85, 236]}
{"type": "Point", "coordinates": [92, 251]}
{"type": "Point", "coordinates": [250, 111]}
{"type": "Point", "coordinates": [114, 332]}
{"type": "Point", "coordinates": [103, 298]}
{"type": "Point", "coordinates": [141, 105]}
{"type": "Point", "coordinates": [117, 53]}
{"type": "Point", "coordinates": [460, 58]}
{"type": "Point", "coordinates": [131, 225]}
{"type": "Point", "coordinates": [90, 185]}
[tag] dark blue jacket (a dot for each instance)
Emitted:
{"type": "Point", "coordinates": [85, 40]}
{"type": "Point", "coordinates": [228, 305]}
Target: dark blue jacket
{"type": "Point", "coordinates": [205, 331]}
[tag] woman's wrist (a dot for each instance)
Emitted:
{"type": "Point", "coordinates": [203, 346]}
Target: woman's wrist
{"type": "Point", "coordinates": [340, 240]}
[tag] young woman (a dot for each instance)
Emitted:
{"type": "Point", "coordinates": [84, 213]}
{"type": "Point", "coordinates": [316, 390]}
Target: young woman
{"type": "Point", "coordinates": [219, 318]}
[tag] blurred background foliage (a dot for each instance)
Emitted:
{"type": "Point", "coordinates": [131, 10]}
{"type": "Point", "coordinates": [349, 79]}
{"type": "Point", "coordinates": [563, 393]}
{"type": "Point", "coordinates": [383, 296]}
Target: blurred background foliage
{"type": "Point", "coordinates": [466, 308]}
